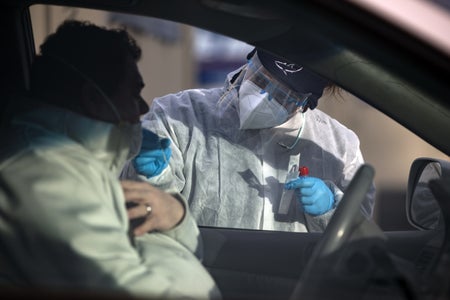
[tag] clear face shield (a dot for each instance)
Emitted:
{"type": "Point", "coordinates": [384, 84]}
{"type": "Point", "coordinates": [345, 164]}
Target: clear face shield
{"type": "Point", "coordinates": [292, 101]}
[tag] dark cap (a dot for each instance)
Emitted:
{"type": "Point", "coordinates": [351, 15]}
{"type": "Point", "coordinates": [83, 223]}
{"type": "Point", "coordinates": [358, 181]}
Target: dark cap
{"type": "Point", "coordinates": [294, 76]}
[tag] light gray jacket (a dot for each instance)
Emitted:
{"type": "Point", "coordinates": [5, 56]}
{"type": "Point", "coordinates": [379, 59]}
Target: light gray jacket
{"type": "Point", "coordinates": [63, 219]}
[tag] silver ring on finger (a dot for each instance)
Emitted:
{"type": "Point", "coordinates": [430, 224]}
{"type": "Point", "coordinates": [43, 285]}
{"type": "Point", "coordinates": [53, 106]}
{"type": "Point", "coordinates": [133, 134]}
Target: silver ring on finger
{"type": "Point", "coordinates": [148, 210]}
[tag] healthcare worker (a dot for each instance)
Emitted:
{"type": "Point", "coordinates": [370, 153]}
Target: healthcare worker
{"type": "Point", "coordinates": [230, 150]}
{"type": "Point", "coordinates": [64, 223]}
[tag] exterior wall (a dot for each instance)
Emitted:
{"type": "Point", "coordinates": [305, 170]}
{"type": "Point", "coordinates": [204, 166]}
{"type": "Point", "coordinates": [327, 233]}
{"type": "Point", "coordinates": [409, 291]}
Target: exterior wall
{"type": "Point", "coordinates": [388, 147]}
{"type": "Point", "coordinates": [383, 141]}
{"type": "Point", "coordinates": [160, 57]}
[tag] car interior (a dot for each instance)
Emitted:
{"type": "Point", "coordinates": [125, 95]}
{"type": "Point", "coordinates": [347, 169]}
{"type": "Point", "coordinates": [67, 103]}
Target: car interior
{"type": "Point", "coordinates": [385, 66]}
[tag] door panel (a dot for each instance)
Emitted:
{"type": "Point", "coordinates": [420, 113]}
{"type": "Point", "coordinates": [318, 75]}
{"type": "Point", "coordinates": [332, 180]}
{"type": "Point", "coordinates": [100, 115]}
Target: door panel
{"type": "Point", "coordinates": [267, 264]}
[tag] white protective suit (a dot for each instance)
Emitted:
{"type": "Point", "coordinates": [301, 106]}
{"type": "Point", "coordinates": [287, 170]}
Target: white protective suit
{"type": "Point", "coordinates": [63, 219]}
{"type": "Point", "coordinates": [235, 178]}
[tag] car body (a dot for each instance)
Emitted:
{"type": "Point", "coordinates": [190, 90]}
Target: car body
{"type": "Point", "coordinates": [389, 66]}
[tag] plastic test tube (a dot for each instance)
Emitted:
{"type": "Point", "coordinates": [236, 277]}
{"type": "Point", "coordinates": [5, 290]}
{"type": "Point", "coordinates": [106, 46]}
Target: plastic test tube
{"type": "Point", "coordinates": [286, 198]}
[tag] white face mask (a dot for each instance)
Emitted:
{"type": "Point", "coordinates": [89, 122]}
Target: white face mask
{"type": "Point", "coordinates": [256, 111]}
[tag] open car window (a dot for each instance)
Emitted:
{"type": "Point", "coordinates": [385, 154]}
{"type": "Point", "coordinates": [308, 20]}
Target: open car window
{"type": "Point", "coordinates": [178, 57]}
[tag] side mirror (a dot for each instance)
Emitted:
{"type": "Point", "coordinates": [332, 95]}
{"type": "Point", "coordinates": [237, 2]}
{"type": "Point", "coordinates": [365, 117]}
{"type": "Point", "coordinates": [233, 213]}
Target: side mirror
{"type": "Point", "coordinates": [422, 209]}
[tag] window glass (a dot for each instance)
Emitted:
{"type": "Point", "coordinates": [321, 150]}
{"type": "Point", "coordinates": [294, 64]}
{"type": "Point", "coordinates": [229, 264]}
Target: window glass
{"type": "Point", "coordinates": [178, 57]}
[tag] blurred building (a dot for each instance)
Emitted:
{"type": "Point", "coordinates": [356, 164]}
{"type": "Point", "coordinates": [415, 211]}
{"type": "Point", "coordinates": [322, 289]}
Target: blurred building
{"type": "Point", "coordinates": [216, 55]}
{"type": "Point", "coordinates": [166, 46]}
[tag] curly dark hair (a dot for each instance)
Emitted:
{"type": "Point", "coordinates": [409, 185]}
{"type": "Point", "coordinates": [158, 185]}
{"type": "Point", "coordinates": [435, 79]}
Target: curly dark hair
{"type": "Point", "coordinates": [100, 54]}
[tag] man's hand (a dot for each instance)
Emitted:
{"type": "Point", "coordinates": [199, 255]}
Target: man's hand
{"type": "Point", "coordinates": [160, 210]}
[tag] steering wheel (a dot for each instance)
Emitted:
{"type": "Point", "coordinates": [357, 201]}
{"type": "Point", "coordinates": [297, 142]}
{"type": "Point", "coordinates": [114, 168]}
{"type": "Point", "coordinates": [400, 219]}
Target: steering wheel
{"type": "Point", "coordinates": [346, 216]}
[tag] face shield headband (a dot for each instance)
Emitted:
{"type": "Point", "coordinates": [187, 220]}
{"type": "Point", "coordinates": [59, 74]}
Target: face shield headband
{"type": "Point", "coordinates": [292, 101]}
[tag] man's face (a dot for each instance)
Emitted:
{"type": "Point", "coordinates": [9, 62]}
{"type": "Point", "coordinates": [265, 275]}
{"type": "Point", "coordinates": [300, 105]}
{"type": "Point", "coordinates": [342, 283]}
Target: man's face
{"type": "Point", "coordinates": [128, 99]}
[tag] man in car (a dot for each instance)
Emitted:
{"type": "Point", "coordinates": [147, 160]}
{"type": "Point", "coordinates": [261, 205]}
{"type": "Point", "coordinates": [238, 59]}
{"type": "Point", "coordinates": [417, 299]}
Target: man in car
{"type": "Point", "coordinates": [64, 223]}
{"type": "Point", "coordinates": [236, 150]}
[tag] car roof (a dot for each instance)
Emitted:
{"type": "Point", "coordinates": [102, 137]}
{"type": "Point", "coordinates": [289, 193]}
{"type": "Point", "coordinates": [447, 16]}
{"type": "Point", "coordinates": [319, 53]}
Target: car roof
{"type": "Point", "coordinates": [388, 67]}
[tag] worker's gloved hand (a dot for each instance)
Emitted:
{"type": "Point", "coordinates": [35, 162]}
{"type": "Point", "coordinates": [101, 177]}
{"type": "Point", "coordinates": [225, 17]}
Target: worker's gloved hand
{"type": "Point", "coordinates": [313, 194]}
{"type": "Point", "coordinates": [154, 155]}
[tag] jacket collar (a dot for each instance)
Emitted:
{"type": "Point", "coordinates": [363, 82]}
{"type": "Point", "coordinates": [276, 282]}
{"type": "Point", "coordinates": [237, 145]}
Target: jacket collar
{"type": "Point", "coordinates": [107, 142]}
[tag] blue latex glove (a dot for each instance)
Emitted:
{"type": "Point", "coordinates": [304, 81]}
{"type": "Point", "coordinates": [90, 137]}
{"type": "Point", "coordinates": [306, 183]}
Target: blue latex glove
{"type": "Point", "coordinates": [154, 155]}
{"type": "Point", "coordinates": [314, 195]}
